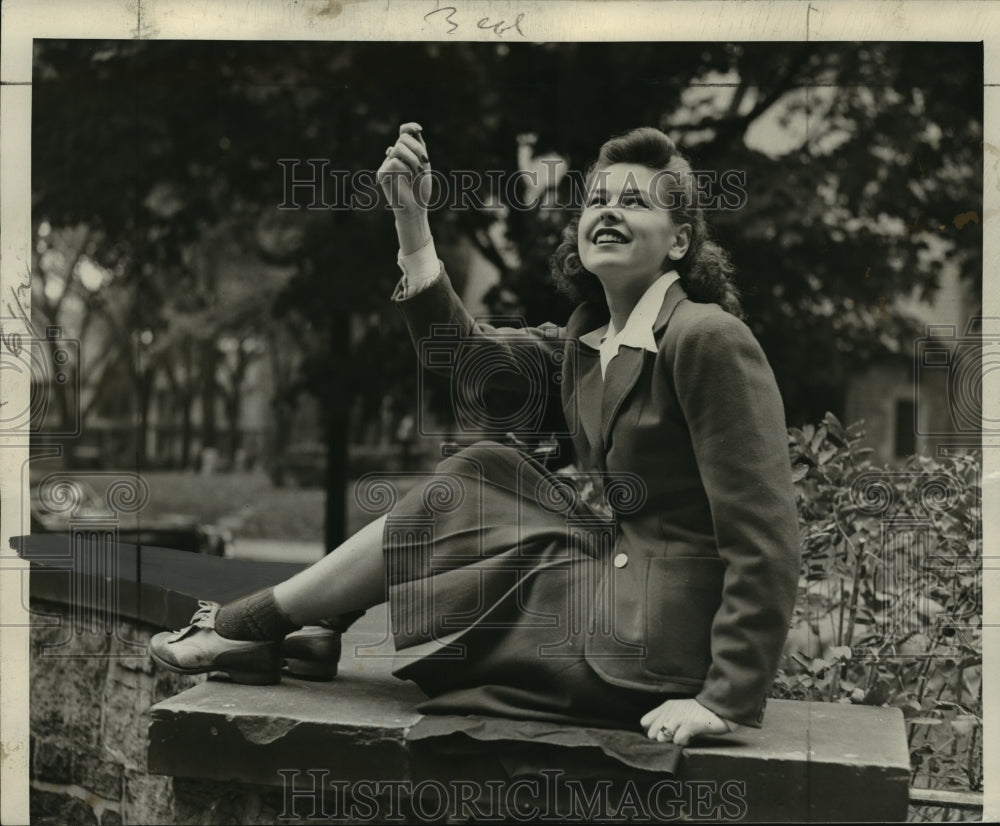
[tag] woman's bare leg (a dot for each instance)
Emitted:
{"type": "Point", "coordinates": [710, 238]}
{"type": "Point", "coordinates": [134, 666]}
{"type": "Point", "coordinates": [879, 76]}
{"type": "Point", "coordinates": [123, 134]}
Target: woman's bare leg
{"type": "Point", "coordinates": [349, 578]}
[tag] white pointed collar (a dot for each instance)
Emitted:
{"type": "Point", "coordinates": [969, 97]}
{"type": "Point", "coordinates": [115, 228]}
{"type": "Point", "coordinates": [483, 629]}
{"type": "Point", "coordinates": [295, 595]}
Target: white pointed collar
{"type": "Point", "coordinates": [638, 329]}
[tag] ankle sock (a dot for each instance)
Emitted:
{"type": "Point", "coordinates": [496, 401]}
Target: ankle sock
{"type": "Point", "coordinates": [342, 622]}
{"type": "Point", "coordinates": [254, 617]}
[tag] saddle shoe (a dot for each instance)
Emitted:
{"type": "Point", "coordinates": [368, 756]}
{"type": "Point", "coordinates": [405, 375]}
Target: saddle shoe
{"type": "Point", "coordinates": [198, 648]}
{"type": "Point", "coordinates": [313, 652]}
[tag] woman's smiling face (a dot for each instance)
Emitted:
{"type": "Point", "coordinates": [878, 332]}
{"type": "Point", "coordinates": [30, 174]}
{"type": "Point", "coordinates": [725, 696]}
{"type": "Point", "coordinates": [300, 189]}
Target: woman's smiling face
{"type": "Point", "coordinates": [627, 236]}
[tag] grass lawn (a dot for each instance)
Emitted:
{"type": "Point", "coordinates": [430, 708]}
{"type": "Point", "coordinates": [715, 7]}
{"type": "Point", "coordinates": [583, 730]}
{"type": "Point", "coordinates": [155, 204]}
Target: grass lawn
{"type": "Point", "coordinates": [247, 503]}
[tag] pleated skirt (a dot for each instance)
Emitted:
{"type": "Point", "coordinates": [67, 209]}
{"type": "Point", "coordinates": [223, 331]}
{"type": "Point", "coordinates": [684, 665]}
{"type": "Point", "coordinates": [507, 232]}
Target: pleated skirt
{"type": "Point", "coordinates": [493, 564]}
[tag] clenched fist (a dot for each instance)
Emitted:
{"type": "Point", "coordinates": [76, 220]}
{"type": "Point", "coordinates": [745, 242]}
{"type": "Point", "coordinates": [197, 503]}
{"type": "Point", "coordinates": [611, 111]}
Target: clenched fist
{"type": "Point", "coordinates": [406, 181]}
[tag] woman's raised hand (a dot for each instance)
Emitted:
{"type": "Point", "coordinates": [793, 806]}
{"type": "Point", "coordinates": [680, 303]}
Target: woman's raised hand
{"type": "Point", "coordinates": [406, 181]}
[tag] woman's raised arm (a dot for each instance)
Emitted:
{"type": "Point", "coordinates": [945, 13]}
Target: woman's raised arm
{"type": "Point", "coordinates": [407, 190]}
{"type": "Point", "coordinates": [521, 359]}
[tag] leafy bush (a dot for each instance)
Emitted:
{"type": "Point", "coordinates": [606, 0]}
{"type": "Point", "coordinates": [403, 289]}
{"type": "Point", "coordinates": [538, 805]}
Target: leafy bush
{"type": "Point", "coordinates": [890, 605]}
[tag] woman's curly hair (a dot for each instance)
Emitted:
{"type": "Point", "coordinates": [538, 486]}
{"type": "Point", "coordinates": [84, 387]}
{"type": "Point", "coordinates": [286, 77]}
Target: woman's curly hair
{"type": "Point", "coordinates": [705, 270]}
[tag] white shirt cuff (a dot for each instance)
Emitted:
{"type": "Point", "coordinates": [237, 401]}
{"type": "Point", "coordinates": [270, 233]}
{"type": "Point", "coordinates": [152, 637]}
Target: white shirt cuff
{"type": "Point", "coordinates": [421, 268]}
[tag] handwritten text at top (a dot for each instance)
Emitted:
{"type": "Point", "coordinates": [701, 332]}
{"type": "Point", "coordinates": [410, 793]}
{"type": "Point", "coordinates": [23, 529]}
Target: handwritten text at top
{"type": "Point", "coordinates": [447, 17]}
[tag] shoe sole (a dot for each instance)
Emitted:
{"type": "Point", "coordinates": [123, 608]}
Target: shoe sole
{"type": "Point", "coordinates": [310, 669]}
{"type": "Point", "coordinates": [236, 675]}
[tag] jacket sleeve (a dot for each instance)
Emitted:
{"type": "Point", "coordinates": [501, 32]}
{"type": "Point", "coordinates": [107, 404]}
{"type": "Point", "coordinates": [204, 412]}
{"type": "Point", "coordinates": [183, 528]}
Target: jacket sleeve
{"type": "Point", "coordinates": [735, 417]}
{"type": "Point", "coordinates": [525, 361]}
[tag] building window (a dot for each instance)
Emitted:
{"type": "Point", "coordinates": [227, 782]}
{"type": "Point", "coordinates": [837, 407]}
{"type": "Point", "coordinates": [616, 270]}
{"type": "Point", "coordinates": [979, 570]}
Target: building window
{"type": "Point", "coordinates": [906, 440]}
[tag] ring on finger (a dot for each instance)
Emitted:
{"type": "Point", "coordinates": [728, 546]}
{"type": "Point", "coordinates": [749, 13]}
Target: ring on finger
{"type": "Point", "coordinates": [667, 731]}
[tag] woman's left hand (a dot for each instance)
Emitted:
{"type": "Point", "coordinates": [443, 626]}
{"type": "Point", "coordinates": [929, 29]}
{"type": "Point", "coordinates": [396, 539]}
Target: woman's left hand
{"type": "Point", "coordinates": [677, 721]}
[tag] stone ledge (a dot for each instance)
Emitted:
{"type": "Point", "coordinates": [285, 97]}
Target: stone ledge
{"type": "Point", "coordinates": [156, 586]}
{"type": "Point", "coordinates": [811, 761]}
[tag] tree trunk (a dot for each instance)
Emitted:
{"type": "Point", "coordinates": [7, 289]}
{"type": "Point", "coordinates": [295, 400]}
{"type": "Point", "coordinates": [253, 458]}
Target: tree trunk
{"type": "Point", "coordinates": [233, 408]}
{"type": "Point", "coordinates": [336, 412]}
{"type": "Point", "coordinates": [144, 381]}
{"type": "Point", "coordinates": [186, 432]}
{"type": "Point", "coordinates": [183, 388]}
{"type": "Point", "coordinates": [234, 404]}
{"type": "Point", "coordinates": [282, 406]}
{"type": "Point", "coordinates": [209, 388]}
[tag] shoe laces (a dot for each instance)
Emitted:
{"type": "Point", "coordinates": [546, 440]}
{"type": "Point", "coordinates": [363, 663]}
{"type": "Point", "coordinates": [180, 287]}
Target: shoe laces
{"type": "Point", "coordinates": [204, 617]}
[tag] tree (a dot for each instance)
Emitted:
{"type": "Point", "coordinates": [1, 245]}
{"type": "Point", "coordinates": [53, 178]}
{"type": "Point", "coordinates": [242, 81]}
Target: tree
{"type": "Point", "coordinates": [862, 165]}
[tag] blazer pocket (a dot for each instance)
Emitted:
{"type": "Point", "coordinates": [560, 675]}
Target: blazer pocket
{"type": "Point", "coordinates": [683, 594]}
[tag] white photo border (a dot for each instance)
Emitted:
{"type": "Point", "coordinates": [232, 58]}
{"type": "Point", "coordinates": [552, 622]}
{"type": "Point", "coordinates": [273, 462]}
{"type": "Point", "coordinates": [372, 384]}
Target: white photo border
{"type": "Point", "coordinates": [356, 20]}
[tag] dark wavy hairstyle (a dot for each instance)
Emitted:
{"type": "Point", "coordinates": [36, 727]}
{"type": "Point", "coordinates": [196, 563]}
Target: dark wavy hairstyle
{"type": "Point", "coordinates": [705, 270]}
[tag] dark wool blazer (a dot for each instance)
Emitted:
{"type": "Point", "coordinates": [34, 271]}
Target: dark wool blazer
{"type": "Point", "coordinates": [698, 591]}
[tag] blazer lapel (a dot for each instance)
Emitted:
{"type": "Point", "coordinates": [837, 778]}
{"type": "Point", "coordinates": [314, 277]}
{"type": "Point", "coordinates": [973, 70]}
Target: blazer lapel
{"type": "Point", "coordinates": [622, 373]}
{"type": "Point", "coordinates": [589, 384]}
{"type": "Point", "coordinates": [624, 370]}
{"type": "Point", "coordinates": [590, 388]}
{"type": "Point", "coordinates": [675, 295]}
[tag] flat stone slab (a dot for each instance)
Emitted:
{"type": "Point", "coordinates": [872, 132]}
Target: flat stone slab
{"type": "Point", "coordinates": [357, 723]}
{"type": "Point", "coordinates": [811, 761]}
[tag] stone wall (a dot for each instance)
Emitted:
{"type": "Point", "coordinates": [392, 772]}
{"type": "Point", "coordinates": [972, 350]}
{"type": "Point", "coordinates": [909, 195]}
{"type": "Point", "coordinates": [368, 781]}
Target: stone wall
{"type": "Point", "coordinates": [90, 700]}
{"type": "Point", "coordinates": [92, 745]}
{"type": "Point", "coordinates": [91, 693]}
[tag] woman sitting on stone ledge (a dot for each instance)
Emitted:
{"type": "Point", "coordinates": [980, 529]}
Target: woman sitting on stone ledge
{"type": "Point", "coordinates": [671, 618]}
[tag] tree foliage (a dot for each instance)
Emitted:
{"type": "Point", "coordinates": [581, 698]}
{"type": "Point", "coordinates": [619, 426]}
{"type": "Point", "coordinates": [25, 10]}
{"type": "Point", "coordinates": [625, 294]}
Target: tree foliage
{"type": "Point", "coordinates": [890, 598]}
{"type": "Point", "coordinates": [862, 165]}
